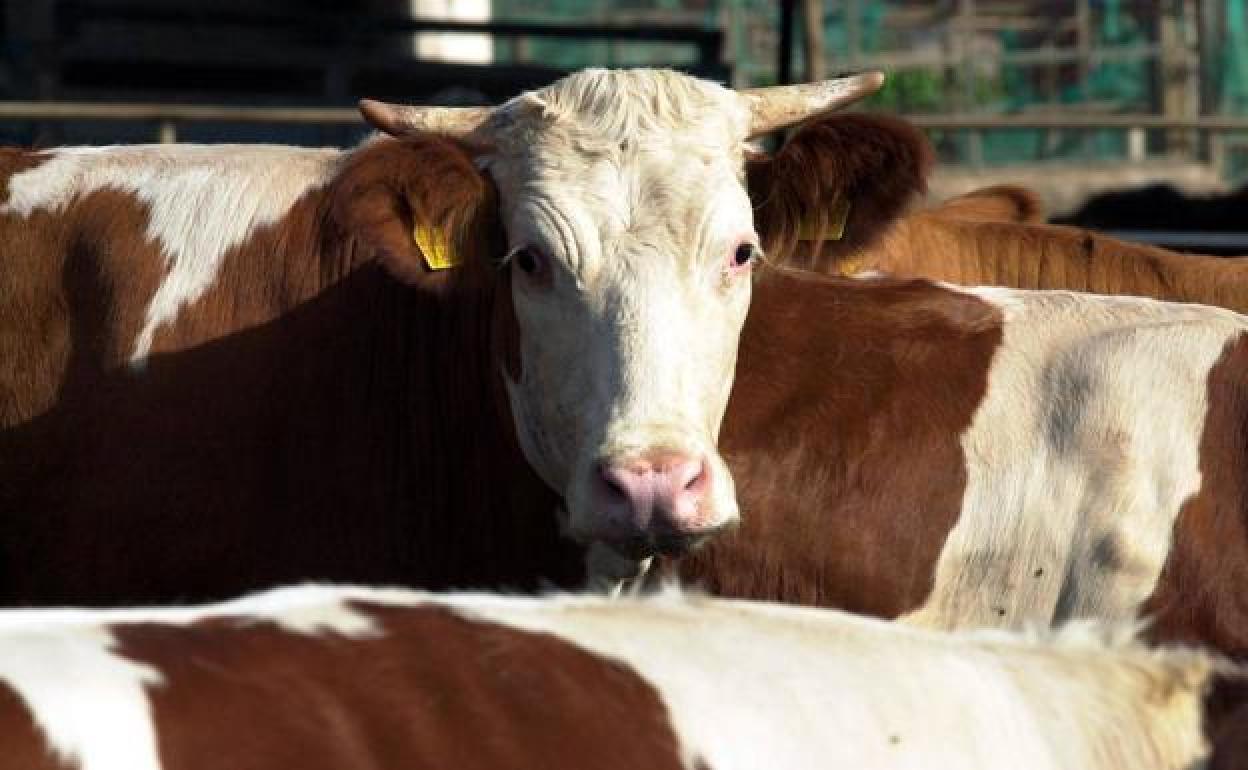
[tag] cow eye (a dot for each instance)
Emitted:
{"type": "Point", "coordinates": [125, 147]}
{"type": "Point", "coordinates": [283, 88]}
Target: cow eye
{"type": "Point", "coordinates": [529, 260]}
{"type": "Point", "coordinates": [745, 254]}
{"type": "Point", "coordinates": [535, 265]}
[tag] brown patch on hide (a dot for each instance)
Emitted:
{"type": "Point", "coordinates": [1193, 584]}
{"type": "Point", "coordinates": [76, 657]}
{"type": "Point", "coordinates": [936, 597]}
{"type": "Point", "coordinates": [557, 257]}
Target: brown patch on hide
{"type": "Point", "coordinates": [435, 690]}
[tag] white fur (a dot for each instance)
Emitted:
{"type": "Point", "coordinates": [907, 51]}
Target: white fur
{"type": "Point", "coordinates": [302, 609]}
{"type": "Point", "coordinates": [90, 704]}
{"type": "Point", "coordinates": [752, 685]}
{"type": "Point", "coordinates": [632, 182]}
{"type": "Point", "coordinates": [1079, 458]}
{"type": "Point", "coordinates": [201, 200]}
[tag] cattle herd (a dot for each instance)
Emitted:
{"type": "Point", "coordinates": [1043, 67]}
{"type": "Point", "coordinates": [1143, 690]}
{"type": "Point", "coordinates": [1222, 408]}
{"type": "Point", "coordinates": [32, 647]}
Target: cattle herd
{"type": "Point", "coordinates": [944, 488]}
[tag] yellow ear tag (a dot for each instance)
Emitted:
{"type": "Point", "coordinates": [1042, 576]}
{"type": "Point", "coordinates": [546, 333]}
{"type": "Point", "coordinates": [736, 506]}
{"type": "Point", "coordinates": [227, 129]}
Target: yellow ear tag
{"type": "Point", "coordinates": [836, 224]}
{"type": "Point", "coordinates": [849, 267]}
{"type": "Point", "coordinates": [435, 247]}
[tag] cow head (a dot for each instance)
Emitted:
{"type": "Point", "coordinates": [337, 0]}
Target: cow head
{"type": "Point", "coordinates": [630, 240]}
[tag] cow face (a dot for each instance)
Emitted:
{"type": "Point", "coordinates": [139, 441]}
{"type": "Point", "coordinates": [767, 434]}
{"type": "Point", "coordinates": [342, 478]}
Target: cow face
{"type": "Point", "coordinates": [630, 243]}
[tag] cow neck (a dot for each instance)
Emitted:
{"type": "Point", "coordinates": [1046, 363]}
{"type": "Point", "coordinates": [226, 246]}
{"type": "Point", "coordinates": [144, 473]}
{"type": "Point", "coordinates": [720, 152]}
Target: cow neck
{"type": "Point", "coordinates": [485, 517]}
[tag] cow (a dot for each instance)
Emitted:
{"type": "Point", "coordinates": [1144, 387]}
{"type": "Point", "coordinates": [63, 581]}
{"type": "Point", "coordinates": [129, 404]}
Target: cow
{"type": "Point", "coordinates": [996, 237]}
{"type": "Point", "coordinates": [345, 677]}
{"type": "Point", "coordinates": [1161, 207]}
{"type": "Point", "coordinates": [931, 244]}
{"type": "Point", "coordinates": [228, 367]}
{"type": "Point", "coordinates": [986, 456]}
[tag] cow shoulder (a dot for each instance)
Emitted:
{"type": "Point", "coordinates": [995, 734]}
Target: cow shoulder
{"type": "Point", "coordinates": [875, 163]}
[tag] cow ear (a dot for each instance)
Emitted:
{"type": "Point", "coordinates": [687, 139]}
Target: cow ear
{"type": "Point", "coordinates": [420, 205]}
{"type": "Point", "coordinates": [841, 180]}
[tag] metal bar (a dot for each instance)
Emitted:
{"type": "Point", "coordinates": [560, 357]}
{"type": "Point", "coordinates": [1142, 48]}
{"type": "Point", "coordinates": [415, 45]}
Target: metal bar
{"type": "Point", "coordinates": [784, 67]}
{"type": "Point", "coordinates": [1177, 239]}
{"type": "Point", "coordinates": [692, 33]}
{"type": "Point", "coordinates": [1076, 121]}
{"type": "Point", "coordinates": [1044, 55]}
{"type": "Point", "coordinates": [25, 110]}
{"type": "Point", "coordinates": [812, 39]}
{"type": "Point", "coordinates": [167, 132]}
{"type": "Point", "coordinates": [175, 112]}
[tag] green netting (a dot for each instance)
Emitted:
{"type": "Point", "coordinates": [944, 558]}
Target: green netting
{"type": "Point", "coordinates": [1126, 82]}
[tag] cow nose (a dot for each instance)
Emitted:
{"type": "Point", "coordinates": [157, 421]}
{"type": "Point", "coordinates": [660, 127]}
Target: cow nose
{"type": "Point", "coordinates": [655, 493]}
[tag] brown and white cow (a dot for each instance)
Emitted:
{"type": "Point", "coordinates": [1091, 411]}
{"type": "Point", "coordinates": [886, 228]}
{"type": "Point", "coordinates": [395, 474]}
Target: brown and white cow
{"type": "Point", "coordinates": [995, 237]}
{"type": "Point", "coordinates": [317, 677]}
{"type": "Point", "coordinates": [988, 457]}
{"type": "Point", "coordinates": [211, 380]}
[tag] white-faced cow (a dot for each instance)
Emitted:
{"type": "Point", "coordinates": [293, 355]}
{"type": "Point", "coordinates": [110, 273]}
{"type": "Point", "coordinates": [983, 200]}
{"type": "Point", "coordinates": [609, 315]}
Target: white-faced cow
{"type": "Point", "coordinates": [210, 378]}
{"type": "Point", "coordinates": [348, 678]}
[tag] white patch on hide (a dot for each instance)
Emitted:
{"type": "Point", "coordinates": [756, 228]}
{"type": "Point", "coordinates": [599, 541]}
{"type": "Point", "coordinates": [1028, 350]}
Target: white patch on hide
{"type": "Point", "coordinates": [90, 704]}
{"type": "Point", "coordinates": [1079, 459]}
{"type": "Point", "coordinates": [202, 201]}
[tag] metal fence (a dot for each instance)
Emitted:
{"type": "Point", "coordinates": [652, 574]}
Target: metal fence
{"type": "Point", "coordinates": [1218, 133]}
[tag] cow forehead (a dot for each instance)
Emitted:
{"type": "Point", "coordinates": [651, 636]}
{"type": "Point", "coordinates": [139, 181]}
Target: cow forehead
{"type": "Point", "coordinates": [596, 109]}
{"type": "Point", "coordinates": [602, 154]}
{"type": "Point", "coordinates": [647, 201]}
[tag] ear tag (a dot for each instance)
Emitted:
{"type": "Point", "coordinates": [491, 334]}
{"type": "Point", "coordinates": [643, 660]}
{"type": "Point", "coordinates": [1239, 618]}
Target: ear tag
{"type": "Point", "coordinates": [836, 224]}
{"type": "Point", "coordinates": [435, 247]}
{"type": "Point", "coordinates": [849, 267]}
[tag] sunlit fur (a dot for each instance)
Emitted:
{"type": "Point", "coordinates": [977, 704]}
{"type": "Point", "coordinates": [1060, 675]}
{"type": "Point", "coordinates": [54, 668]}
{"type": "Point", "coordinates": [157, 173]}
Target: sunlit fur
{"type": "Point", "coordinates": [1105, 410]}
{"type": "Point", "coordinates": [745, 685]}
{"type": "Point", "coordinates": [631, 182]}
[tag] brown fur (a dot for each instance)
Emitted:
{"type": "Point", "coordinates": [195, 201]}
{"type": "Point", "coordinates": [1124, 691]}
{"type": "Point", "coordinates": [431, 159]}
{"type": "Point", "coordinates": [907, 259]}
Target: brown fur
{"type": "Point", "coordinates": [307, 401]}
{"type": "Point", "coordinates": [1200, 598]}
{"type": "Point", "coordinates": [946, 246]}
{"type": "Point", "coordinates": [1230, 742]}
{"type": "Point", "coordinates": [24, 745]}
{"type": "Point", "coordinates": [878, 163]}
{"type": "Point", "coordinates": [999, 203]}
{"type": "Point", "coordinates": [436, 691]}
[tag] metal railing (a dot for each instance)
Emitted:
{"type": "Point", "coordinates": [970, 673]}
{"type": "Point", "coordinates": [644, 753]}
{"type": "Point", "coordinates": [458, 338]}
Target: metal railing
{"type": "Point", "coordinates": [168, 117]}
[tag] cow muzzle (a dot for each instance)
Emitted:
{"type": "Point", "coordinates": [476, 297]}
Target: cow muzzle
{"type": "Point", "coordinates": [655, 502]}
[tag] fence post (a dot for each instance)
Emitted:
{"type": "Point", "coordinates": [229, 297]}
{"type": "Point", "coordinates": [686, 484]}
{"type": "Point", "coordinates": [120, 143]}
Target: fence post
{"type": "Point", "coordinates": [784, 67]}
{"type": "Point", "coordinates": [812, 30]}
{"type": "Point", "coordinates": [1137, 144]}
{"type": "Point", "coordinates": [167, 132]}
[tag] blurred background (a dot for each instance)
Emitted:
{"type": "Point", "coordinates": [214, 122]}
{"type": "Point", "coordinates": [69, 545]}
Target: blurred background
{"type": "Point", "coordinates": [1072, 97]}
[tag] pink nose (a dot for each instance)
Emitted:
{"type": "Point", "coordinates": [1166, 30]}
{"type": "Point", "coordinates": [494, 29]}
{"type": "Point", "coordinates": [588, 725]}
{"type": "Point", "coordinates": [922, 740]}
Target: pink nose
{"type": "Point", "coordinates": [655, 493]}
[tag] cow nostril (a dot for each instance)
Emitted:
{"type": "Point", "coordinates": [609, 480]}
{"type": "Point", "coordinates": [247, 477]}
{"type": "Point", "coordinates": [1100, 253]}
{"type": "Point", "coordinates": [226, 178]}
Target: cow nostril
{"type": "Point", "coordinates": [697, 480]}
{"type": "Point", "coordinates": [695, 477]}
{"type": "Point", "coordinates": [613, 488]}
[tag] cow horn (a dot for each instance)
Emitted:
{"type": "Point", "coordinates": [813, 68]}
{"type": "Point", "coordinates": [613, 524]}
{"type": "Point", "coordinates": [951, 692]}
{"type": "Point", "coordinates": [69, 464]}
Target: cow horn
{"type": "Point", "coordinates": [402, 119]}
{"type": "Point", "coordinates": [777, 107]}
